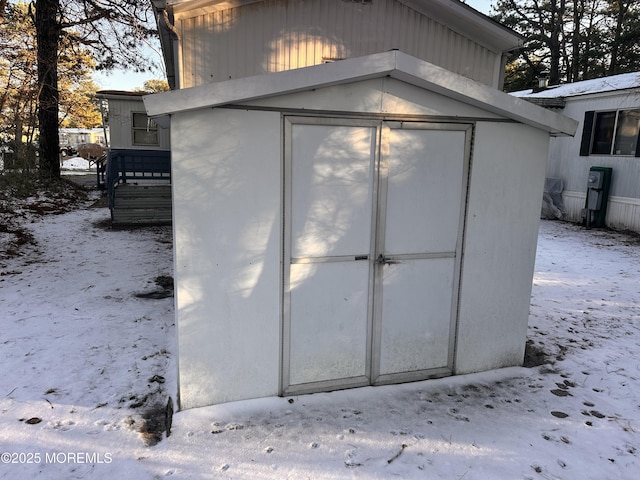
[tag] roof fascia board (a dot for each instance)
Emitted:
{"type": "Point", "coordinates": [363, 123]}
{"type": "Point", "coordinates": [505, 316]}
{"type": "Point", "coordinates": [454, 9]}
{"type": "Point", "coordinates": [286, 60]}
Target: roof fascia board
{"type": "Point", "coordinates": [444, 82]}
{"type": "Point", "coordinates": [270, 84]}
{"type": "Point", "coordinates": [622, 84]}
{"type": "Point", "coordinates": [192, 8]}
{"type": "Point", "coordinates": [394, 64]}
{"type": "Point", "coordinates": [120, 95]}
{"type": "Point", "coordinates": [622, 92]}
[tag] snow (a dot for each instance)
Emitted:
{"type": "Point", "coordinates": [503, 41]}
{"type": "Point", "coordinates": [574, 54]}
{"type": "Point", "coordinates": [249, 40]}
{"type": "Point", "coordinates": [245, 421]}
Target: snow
{"type": "Point", "coordinates": [74, 164]}
{"type": "Point", "coordinates": [90, 359]}
{"type": "Point", "coordinates": [623, 81]}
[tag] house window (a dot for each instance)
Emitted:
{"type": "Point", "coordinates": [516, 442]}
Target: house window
{"type": "Point", "coordinates": [145, 130]}
{"type": "Point", "coordinates": [611, 133]}
{"type": "Point", "coordinates": [626, 139]}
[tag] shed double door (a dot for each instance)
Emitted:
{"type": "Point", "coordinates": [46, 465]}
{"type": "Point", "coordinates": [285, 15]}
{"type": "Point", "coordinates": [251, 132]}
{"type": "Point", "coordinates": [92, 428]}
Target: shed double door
{"type": "Point", "coordinates": [372, 233]}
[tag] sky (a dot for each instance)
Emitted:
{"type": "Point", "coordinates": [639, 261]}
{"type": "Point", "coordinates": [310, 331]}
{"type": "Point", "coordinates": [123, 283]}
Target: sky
{"type": "Point", "coordinates": [129, 80]}
{"type": "Point", "coordinates": [483, 6]}
{"type": "Point", "coordinates": [123, 79]}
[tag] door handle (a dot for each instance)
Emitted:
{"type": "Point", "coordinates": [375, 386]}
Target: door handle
{"type": "Point", "coordinates": [382, 260]}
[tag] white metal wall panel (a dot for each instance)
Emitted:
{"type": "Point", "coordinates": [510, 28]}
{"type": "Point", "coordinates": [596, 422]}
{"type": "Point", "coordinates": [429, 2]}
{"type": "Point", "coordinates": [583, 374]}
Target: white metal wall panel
{"type": "Point", "coordinates": [501, 234]}
{"type": "Point", "coordinates": [226, 186]}
{"type": "Point", "coordinates": [574, 204]}
{"type": "Point", "coordinates": [278, 35]}
{"type": "Point", "coordinates": [623, 213]}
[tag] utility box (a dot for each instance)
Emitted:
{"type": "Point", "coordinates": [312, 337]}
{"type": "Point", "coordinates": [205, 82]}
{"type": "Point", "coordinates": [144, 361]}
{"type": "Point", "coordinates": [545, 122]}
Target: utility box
{"type": "Point", "coordinates": [594, 196]}
{"type": "Point", "coordinates": [598, 184]}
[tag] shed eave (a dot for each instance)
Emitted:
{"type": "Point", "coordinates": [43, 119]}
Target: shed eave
{"type": "Point", "coordinates": [270, 84]}
{"type": "Point", "coordinates": [395, 64]}
{"type": "Point", "coordinates": [439, 80]}
{"type": "Point", "coordinates": [120, 94]}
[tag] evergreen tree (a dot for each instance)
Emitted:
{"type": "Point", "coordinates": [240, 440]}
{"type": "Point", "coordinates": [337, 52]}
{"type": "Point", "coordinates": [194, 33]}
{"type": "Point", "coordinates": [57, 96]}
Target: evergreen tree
{"type": "Point", "coordinates": [19, 84]}
{"type": "Point", "coordinates": [113, 30]}
{"type": "Point", "coordinates": [571, 39]}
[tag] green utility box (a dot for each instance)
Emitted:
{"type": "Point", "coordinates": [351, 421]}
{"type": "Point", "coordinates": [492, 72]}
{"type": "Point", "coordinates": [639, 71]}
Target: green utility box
{"type": "Point", "coordinates": [598, 184]}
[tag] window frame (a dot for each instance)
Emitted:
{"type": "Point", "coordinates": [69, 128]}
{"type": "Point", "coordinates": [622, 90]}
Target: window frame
{"type": "Point", "coordinates": [589, 133]}
{"type": "Point", "coordinates": [151, 126]}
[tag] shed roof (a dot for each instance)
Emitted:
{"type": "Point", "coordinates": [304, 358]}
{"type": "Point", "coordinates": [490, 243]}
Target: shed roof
{"type": "Point", "coordinates": [393, 64]}
{"type": "Point", "coordinates": [119, 94]}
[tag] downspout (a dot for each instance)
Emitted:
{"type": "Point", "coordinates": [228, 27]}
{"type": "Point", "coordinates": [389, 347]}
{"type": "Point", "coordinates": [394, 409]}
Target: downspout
{"type": "Point", "coordinates": [170, 25]}
{"type": "Point", "coordinates": [502, 71]}
{"type": "Point", "coordinates": [177, 71]}
{"type": "Point", "coordinates": [104, 125]}
{"type": "Point", "coordinates": [169, 41]}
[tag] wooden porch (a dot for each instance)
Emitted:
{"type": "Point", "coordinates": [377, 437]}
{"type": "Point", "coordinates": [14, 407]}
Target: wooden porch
{"type": "Point", "coordinates": [138, 184]}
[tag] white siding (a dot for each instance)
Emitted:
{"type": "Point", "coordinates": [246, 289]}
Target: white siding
{"type": "Point", "coordinates": [278, 35]}
{"type": "Point", "coordinates": [565, 162]}
{"type": "Point", "coordinates": [120, 129]}
{"type": "Point", "coordinates": [227, 224]}
{"type": "Point", "coordinates": [623, 213]}
{"type": "Point", "coordinates": [505, 195]}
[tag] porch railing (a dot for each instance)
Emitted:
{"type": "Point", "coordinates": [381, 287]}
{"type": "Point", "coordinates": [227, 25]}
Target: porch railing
{"type": "Point", "coordinates": [128, 165]}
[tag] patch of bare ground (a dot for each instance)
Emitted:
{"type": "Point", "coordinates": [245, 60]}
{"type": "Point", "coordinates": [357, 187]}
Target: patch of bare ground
{"type": "Point", "coordinates": [535, 356]}
{"type": "Point", "coordinates": [25, 196]}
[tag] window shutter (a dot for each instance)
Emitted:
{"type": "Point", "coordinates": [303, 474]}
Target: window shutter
{"type": "Point", "coordinates": [587, 130]}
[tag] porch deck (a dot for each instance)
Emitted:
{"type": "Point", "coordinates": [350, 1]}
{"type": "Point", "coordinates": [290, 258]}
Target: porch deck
{"type": "Point", "coordinates": [138, 184]}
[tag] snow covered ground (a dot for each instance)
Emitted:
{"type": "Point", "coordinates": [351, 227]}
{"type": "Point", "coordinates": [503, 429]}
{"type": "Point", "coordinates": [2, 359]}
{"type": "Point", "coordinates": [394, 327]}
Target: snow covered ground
{"type": "Point", "coordinates": [75, 164]}
{"type": "Point", "coordinates": [87, 361]}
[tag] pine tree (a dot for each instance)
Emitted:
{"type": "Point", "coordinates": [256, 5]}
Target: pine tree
{"type": "Point", "coordinates": [113, 30]}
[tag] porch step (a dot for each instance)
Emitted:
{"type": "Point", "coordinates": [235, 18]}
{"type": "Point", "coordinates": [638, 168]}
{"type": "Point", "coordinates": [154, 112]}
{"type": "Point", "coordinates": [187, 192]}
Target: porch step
{"type": "Point", "coordinates": [142, 205]}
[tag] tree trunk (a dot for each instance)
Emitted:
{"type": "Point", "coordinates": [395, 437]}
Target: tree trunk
{"type": "Point", "coordinates": [3, 6]}
{"type": "Point", "coordinates": [620, 10]}
{"type": "Point", "coordinates": [578, 12]}
{"type": "Point", "coordinates": [48, 36]}
{"type": "Point", "coordinates": [555, 45]}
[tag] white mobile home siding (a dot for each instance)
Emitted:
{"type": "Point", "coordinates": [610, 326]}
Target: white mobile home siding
{"type": "Point", "coordinates": [278, 35]}
{"type": "Point", "coordinates": [121, 133]}
{"type": "Point", "coordinates": [565, 162]}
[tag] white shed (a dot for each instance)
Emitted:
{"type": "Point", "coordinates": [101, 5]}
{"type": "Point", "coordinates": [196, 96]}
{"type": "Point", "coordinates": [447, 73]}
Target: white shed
{"type": "Point", "coordinates": [363, 222]}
